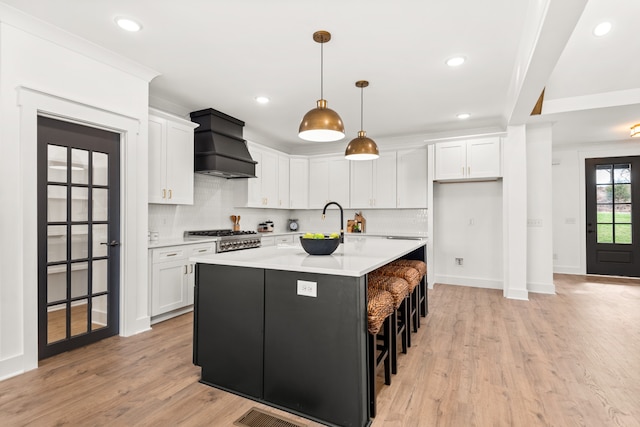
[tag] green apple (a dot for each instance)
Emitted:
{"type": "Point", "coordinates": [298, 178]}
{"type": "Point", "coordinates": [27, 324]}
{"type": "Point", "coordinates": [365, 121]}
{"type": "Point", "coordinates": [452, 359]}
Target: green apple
{"type": "Point", "coordinates": [334, 236]}
{"type": "Point", "coordinates": [308, 236]}
{"type": "Point", "coordinates": [318, 236]}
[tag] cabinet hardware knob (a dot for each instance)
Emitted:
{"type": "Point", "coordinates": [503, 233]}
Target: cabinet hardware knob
{"type": "Point", "coordinates": [170, 193]}
{"type": "Point", "coordinates": [164, 193]}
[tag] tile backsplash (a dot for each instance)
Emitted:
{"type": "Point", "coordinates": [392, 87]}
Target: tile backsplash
{"type": "Point", "coordinates": [214, 201]}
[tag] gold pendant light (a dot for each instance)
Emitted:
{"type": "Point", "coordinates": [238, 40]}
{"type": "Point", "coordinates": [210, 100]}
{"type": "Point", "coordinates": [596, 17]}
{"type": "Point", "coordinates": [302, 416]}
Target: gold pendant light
{"type": "Point", "coordinates": [321, 124]}
{"type": "Point", "coordinates": [362, 148]}
{"type": "Point", "coordinates": [635, 131]}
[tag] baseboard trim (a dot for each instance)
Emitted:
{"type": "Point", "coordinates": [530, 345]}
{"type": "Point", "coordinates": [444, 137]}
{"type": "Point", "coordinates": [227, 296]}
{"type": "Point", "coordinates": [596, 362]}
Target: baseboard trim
{"type": "Point", "coordinates": [542, 288]}
{"type": "Point", "coordinates": [470, 281]}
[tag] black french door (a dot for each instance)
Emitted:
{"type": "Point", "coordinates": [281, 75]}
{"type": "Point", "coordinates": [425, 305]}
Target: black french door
{"type": "Point", "coordinates": [613, 221]}
{"type": "Point", "coordinates": [78, 235]}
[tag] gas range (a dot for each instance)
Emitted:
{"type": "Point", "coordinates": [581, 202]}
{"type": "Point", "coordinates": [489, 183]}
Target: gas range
{"type": "Point", "coordinates": [228, 240]}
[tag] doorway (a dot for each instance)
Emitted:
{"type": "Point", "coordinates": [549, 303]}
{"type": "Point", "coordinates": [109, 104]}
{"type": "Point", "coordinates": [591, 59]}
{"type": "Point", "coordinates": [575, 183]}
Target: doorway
{"type": "Point", "coordinates": [78, 176]}
{"type": "Point", "coordinates": [613, 225]}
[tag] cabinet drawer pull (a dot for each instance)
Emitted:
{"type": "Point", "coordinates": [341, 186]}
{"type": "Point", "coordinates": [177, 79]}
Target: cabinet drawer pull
{"type": "Point", "coordinates": [185, 269]}
{"type": "Point", "coordinates": [203, 250]}
{"type": "Point", "coordinates": [469, 170]}
{"type": "Point", "coordinates": [164, 193]}
{"type": "Point", "coordinates": [170, 193]}
{"type": "Point", "coordinates": [190, 268]}
{"type": "Point", "coordinates": [173, 254]}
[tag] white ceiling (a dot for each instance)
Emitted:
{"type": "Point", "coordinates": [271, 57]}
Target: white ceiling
{"type": "Point", "coordinates": [222, 54]}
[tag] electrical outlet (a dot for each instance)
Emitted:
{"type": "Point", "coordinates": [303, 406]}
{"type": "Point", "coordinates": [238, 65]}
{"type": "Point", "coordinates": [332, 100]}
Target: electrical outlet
{"type": "Point", "coordinates": [459, 261]}
{"type": "Point", "coordinates": [307, 289]}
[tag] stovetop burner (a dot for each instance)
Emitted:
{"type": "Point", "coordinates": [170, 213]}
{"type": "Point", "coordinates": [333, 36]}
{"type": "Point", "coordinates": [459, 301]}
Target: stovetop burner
{"type": "Point", "coordinates": [228, 240]}
{"type": "Point", "coordinates": [217, 233]}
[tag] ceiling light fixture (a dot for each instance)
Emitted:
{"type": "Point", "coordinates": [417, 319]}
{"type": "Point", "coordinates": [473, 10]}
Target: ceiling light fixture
{"type": "Point", "coordinates": [455, 61]}
{"type": "Point", "coordinates": [362, 148]}
{"type": "Point", "coordinates": [635, 131]}
{"type": "Point", "coordinates": [128, 24]}
{"type": "Point", "coordinates": [321, 124]}
{"type": "Point", "coordinates": [463, 116]}
{"type": "Point", "coordinates": [601, 29]}
{"type": "Point", "coordinates": [262, 100]}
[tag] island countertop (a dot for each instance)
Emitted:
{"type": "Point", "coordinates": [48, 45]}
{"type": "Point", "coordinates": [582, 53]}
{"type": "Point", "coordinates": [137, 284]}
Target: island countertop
{"type": "Point", "coordinates": [356, 257]}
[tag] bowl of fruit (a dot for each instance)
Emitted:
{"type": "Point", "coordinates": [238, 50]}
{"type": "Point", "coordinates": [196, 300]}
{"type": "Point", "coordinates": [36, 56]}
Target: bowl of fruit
{"type": "Point", "coordinates": [320, 244]}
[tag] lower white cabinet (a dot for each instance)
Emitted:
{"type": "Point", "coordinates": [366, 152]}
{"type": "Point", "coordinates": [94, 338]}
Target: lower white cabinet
{"type": "Point", "coordinates": [172, 278]}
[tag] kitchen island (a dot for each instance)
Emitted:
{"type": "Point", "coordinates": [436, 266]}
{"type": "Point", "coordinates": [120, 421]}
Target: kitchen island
{"type": "Point", "coordinates": [289, 329]}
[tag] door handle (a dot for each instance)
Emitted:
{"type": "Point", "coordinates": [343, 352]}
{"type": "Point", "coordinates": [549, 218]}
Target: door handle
{"type": "Point", "coordinates": [111, 243]}
{"type": "Point", "coordinates": [589, 231]}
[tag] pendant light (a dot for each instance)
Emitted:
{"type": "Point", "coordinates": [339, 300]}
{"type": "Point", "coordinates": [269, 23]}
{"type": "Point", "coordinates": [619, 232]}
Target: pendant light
{"type": "Point", "coordinates": [362, 147]}
{"type": "Point", "coordinates": [321, 124]}
{"type": "Point", "coordinates": [635, 131]}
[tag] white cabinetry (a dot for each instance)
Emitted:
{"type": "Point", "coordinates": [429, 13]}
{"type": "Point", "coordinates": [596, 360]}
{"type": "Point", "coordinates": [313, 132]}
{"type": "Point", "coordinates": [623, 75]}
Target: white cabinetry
{"type": "Point", "coordinates": [328, 181]}
{"type": "Point", "coordinates": [172, 278]}
{"type": "Point", "coordinates": [170, 159]}
{"type": "Point", "coordinates": [373, 182]}
{"type": "Point", "coordinates": [298, 183]}
{"type": "Point", "coordinates": [474, 159]}
{"type": "Point", "coordinates": [271, 187]}
{"type": "Point", "coordinates": [283, 181]}
{"type": "Point", "coordinates": [282, 239]}
{"type": "Point", "coordinates": [263, 190]}
{"type": "Point", "coordinates": [411, 186]}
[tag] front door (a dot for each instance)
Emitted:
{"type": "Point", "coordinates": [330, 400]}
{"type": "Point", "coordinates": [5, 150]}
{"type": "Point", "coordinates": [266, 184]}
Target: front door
{"type": "Point", "coordinates": [78, 235]}
{"type": "Point", "coordinates": [613, 204]}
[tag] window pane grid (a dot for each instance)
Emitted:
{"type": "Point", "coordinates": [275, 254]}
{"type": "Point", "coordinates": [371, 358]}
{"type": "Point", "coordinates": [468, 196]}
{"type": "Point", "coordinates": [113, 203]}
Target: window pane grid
{"type": "Point", "coordinates": [613, 204]}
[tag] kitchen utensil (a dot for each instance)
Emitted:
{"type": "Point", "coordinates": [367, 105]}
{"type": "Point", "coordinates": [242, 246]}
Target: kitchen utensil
{"type": "Point", "coordinates": [236, 224]}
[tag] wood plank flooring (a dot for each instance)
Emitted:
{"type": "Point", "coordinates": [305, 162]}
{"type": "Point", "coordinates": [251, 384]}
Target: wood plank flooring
{"type": "Point", "coordinates": [571, 359]}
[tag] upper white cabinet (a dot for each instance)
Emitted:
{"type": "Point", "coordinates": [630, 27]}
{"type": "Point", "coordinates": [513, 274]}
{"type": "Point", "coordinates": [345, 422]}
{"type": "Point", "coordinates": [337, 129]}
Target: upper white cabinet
{"type": "Point", "coordinates": [328, 181]}
{"type": "Point", "coordinates": [283, 181]}
{"type": "Point", "coordinates": [270, 188]}
{"type": "Point", "coordinates": [473, 159]}
{"type": "Point", "coordinates": [170, 159]}
{"type": "Point", "coordinates": [298, 183]}
{"type": "Point", "coordinates": [411, 178]}
{"type": "Point", "coordinates": [263, 190]}
{"type": "Point", "coordinates": [373, 182]}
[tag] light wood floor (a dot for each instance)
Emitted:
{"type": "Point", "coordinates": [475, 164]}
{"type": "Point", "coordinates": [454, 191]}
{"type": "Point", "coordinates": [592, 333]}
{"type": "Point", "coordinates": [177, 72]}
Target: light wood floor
{"type": "Point", "coordinates": [571, 359]}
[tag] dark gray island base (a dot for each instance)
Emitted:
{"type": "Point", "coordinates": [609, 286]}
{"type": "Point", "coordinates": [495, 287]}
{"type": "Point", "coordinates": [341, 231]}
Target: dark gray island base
{"type": "Point", "coordinates": [257, 335]}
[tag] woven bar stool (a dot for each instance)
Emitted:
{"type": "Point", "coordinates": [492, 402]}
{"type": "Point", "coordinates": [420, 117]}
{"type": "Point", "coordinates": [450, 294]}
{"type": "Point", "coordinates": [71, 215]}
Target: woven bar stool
{"type": "Point", "coordinates": [412, 276]}
{"type": "Point", "coordinates": [421, 266]}
{"type": "Point", "coordinates": [399, 290]}
{"type": "Point", "coordinates": [379, 308]}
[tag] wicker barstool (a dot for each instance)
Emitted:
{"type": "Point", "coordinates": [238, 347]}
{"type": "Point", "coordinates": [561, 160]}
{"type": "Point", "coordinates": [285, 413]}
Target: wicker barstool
{"type": "Point", "coordinates": [412, 276]}
{"type": "Point", "coordinates": [421, 266]}
{"type": "Point", "coordinates": [379, 308]}
{"type": "Point", "coordinates": [399, 290]}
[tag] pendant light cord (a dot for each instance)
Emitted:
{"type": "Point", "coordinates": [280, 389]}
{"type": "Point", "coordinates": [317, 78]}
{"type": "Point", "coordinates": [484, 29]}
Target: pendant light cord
{"type": "Point", "coordinates": [362, 108]}
{"type": "Point", "coordinates": [321, 70]}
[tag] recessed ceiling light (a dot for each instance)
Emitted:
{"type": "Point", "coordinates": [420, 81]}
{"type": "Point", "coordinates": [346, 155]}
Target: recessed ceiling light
{"type": "Point", "coordinates": [262, 99]}
{"type": "Point", "coordinates": [463, 116]}
{"type": "Point", "coordinates": [601, 29]}
{"type": "Point", "coordinates": [128, 24]}
{"type": "Point", "coordinates": [455, 61]}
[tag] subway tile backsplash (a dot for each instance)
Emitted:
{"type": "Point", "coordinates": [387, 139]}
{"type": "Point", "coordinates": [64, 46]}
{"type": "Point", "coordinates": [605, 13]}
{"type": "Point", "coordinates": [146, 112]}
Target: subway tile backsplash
{"type": "Point", "coordinates": [214, 203]}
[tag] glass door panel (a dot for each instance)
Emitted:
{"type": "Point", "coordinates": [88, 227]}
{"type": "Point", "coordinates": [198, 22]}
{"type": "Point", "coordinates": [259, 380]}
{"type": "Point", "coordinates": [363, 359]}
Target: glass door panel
{"type": "Point", "coordinates": [78, 181]}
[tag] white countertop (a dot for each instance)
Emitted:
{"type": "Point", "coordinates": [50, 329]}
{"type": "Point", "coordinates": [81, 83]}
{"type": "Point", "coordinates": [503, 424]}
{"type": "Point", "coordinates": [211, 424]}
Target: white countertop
{"type": "Point", "coordinates": [356, 257]}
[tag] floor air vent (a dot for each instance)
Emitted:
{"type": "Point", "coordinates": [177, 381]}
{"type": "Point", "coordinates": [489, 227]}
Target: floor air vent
{"type": "Point", "coordinates": [258, 418]}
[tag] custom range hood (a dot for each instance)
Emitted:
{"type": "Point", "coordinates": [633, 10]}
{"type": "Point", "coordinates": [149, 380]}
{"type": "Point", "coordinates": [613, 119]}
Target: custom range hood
{"type": "Point", "coordinates": [219, 148]}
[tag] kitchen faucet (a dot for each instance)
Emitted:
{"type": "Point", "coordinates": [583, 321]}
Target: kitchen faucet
{"type": "Point", "coordinates": [324, 210]}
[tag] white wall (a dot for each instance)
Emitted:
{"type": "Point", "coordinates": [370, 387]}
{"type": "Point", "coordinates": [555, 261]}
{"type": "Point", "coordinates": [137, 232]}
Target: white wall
{"type": "Point", "coordinates": [39, 63]}
{"type": "Point", "coordinates": [539, 211]}
{"type": "Point", "coordinates": [468, 224]}
{"type": "Point", "coordinates": [569, 199]}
